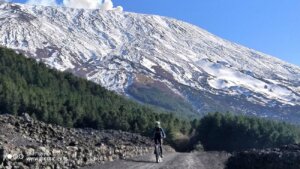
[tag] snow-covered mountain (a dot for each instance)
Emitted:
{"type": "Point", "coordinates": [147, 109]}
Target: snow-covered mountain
{"type": "Point", "coordinates": [153, 59]}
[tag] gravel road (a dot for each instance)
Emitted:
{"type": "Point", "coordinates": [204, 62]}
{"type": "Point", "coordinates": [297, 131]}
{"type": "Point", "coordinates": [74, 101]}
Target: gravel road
{"type": "Point", "coordinates": [203, 160]}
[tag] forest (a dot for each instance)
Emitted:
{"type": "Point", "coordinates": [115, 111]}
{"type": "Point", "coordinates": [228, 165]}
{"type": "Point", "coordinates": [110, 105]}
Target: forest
{"type": "Point", "coordinates": [229, 132]}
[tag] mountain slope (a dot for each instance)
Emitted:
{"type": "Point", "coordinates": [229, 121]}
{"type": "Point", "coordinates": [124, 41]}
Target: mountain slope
{"type": "Point", "coordinates": [133, 53]}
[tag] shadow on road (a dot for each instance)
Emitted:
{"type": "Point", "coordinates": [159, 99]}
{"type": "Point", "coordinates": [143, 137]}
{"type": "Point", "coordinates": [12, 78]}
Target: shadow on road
{"type": "Point", "coordinates": [139, 161]}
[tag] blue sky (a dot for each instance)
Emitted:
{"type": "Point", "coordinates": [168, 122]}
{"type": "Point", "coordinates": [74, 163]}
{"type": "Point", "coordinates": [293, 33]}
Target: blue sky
{"type": "Point", "coordinates": [269, 26]}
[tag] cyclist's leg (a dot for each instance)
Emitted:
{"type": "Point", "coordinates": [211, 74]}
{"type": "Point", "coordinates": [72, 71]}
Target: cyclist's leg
{"type": "Point", "coordinates": [160, 146]}
{"type": "Point", "coordinates": [155, 143]}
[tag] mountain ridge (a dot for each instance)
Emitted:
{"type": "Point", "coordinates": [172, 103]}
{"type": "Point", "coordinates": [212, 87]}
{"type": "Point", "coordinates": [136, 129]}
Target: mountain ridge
{"type": "Point", "coordinates": [128, 52]}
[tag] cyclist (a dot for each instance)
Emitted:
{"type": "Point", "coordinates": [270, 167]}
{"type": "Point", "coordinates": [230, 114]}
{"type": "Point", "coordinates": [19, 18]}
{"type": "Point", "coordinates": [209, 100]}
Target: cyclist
{"type": "Point", "coordinates": [158, 136]}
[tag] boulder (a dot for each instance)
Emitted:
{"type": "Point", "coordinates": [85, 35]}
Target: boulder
{"type": "Point", "coordinates": [26, 117]}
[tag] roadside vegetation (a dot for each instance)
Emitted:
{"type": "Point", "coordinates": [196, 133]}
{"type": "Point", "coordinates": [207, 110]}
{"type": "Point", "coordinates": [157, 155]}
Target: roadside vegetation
{"type": "Point", "coordinates": [228, 132]}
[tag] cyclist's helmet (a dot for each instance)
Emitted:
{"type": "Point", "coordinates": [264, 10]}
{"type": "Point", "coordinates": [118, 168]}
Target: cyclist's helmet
{"type": "Point", "coordinates": [157, 123]}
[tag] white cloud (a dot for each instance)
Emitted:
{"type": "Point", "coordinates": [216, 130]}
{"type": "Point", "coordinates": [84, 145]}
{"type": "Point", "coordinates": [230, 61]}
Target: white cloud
{"type": "Point", "coordinates": [85, 4]}
{"type": "Point", "coordinates": [119, 8]}
{"type": "Point", "coordinates": [107, 5]}
{"type": "Point", "coordinates": [42, 2]}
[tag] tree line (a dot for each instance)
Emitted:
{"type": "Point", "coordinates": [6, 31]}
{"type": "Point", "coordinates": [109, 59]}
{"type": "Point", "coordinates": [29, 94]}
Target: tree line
{"type": "Point", "coordinates": [228, 132]}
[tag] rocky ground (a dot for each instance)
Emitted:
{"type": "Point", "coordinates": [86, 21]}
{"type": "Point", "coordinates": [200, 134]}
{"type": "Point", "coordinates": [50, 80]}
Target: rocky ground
{"type": "Point", "coordinates": [286, 157]}
{"type": "Point", "coordinates": [26, 143]}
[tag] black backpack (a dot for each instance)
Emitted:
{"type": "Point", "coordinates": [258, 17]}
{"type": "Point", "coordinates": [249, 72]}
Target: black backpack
{"type": "Point", "coordinates": [158, 132]}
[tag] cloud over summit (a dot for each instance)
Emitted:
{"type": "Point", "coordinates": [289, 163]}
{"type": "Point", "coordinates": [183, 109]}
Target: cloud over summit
{"type": "Point", "coordinates": [85, 4]}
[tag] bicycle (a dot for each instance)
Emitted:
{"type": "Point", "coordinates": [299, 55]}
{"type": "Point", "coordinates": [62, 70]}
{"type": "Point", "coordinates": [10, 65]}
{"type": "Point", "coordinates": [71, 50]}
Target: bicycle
{"type": "Point", "coordinates": [157, 153]}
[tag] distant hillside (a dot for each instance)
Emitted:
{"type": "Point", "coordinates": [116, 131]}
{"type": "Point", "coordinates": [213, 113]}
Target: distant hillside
{"type": "Point", "coordinates": [61, 98]}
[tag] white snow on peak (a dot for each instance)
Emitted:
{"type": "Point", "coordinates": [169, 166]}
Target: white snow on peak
{"type": "Point", "coordinates": [224, 78]}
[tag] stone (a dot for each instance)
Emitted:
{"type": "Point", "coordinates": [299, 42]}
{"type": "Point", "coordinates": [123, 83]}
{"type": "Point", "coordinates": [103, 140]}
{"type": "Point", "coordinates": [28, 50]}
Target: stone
{"type": "Point", "coordinates": [2, 155]}
{"type": "Point", "coordinates": [73, 143]}
{"type": "Point", "coordinates": [26, 117]}
{"type": "Point", "coordinates": [48, 167]}
{"type": "Point", "coordinates": [98, 144]}
{"type": "Point", "coordinates": [60, 138]}
{"type": "Point", "coordinates": [44, 151]}
{"type": "Point", "coordinates": [29, 151]}
{"type": "Point", "coordinates": [110, 158]}
{"type": "Point", "coordinates": [55, 152]}
{"type": "Point", "coordinates": [17, 124]}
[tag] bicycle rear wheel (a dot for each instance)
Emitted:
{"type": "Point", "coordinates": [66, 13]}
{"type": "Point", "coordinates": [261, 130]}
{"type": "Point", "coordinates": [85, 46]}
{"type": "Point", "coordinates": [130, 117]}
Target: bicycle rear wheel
{"type": "Point", "coordinates": [157, 154]}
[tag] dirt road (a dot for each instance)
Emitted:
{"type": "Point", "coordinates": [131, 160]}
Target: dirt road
{"type": "Point", "coordinates": [203, 160]}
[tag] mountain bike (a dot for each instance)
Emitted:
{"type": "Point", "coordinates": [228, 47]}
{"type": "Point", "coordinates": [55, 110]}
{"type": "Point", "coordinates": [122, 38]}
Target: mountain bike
{"type": "Point", "coordinates": [157, 153]}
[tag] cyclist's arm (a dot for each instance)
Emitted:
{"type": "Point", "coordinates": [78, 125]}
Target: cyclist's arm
{"type": "Point", "coordinates": [163, 133]}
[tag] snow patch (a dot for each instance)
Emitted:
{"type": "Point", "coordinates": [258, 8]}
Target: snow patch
{"type": "Point", "coordinates": [148, 64]}
{"type": "Point", "coordinates": [226, 77]}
